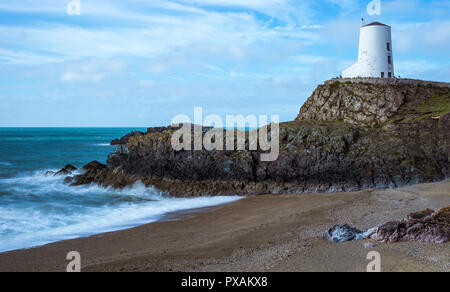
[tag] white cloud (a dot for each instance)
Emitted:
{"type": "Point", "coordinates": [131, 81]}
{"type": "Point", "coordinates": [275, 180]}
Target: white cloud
{"type": "Point", "coordinates": [423, 69]}
{"type": "Point", "coordinates": [427, 38]}
{"type": "Point", "coordinates": [92, 71]}
{"type": "Point", "coordinates": [32, 6]}
{"type": "Point", "coordinates": [349, 6]}
{"type": "Point", "coordinates": [25, 57]}
{"type": "Point", "coordinates": [151, 36]}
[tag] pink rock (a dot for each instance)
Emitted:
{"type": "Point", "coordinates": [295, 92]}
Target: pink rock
{"type": "Point", "coordinates": [425, 226]}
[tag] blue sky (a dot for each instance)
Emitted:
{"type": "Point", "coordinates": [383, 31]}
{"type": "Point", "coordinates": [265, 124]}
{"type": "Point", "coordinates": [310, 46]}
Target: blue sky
{"type": "Point", "coordinates": [139, 63]}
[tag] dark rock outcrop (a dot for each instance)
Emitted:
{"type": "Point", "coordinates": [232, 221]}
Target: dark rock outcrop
{"type": "Point", "coordinates": [94, 165]}
{"type": "Point", "coordinates": [68, 180]}
{"type": "Point", "coordinates": [93, 171]}
{"type": "Point", "coordinates": [124, 139]}
{"type": "Point", "coordinates": [48, 173]}
{"type": "Point", "coordinates": [66, 170]}
{"type": "Point", "coordinates": [350, 135]}
{"type": "Point", "coordinates": [425, 226]}
{"type": "Point", "coordinates": [70, 167]}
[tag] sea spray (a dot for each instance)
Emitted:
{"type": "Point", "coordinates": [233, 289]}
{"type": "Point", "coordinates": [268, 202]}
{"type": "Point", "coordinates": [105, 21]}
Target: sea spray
{"type": "Point", "coordinates": [42, 209]}
{"type": "Point", "coordinates": [36, 209]}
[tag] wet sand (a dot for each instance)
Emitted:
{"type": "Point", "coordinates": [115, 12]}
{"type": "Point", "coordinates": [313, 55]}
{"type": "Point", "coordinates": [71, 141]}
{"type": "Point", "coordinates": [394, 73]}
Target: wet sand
{"type": "Point", "coordinates": [261, 233]}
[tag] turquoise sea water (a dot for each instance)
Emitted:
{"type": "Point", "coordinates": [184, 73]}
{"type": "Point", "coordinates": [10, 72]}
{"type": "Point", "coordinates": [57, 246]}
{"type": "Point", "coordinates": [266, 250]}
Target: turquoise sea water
{"type": "Point", "coordinates": [36, 209]}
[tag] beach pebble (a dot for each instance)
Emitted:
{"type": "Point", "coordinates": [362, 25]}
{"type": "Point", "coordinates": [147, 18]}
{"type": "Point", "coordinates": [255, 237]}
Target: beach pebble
{"type": "Point", "coordinates": [369, 245]}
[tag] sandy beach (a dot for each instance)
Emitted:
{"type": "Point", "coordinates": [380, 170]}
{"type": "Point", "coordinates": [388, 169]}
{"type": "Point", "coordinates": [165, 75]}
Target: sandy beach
{"type": "Point", "coordinates": [261, 233]}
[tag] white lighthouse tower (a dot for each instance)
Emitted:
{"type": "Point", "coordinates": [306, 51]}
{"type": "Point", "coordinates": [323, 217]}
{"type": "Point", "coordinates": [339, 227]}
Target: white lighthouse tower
{"type": "Point", "coordinates": [375, 53]}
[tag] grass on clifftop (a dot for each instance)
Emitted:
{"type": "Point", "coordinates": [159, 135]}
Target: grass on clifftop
{"type": "Point", "coordinates": [436, 106]}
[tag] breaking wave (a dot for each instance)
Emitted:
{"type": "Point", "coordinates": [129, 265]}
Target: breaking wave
{"type": "Point", "coordinates": [36, 209]}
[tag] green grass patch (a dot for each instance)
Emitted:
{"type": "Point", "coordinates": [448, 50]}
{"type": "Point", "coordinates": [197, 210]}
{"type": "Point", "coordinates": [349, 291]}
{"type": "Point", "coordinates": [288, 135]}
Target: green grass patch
{"type": "Point", "coordinates": [435, 107]}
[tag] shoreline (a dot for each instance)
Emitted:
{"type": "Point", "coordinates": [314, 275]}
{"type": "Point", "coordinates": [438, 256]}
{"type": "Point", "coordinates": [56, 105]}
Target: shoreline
{"type": "Point", "coordinates": [165, 217]}
{"type": "Point", "coordinates": [257, 233]}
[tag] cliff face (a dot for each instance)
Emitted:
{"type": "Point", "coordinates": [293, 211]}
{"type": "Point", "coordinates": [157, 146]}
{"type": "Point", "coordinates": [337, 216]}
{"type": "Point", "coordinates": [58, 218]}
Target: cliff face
{"type": "Point", "coordinates": [373, 102]}
{"type": "Point", "coordinates": [349, 135]}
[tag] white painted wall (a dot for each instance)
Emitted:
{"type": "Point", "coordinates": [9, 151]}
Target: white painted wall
{"type": "Point", "coordinates": [373, 53]}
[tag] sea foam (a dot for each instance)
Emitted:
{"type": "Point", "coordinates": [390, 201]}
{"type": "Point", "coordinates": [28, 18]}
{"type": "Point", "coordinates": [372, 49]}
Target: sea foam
{"type": "Point", "coordinates": [36, 209]}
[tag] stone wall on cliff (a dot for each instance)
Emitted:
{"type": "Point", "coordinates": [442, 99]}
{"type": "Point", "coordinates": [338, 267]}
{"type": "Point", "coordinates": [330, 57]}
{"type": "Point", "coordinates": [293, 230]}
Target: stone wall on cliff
{"type": "Point", "coordinates": [349, 135]}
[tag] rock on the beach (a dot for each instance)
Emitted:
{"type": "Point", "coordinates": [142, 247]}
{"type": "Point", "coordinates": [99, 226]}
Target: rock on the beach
{"type": "Point", "coordinates": [425, 226]}
{"type": "Point", "coordinates": [343, 233]}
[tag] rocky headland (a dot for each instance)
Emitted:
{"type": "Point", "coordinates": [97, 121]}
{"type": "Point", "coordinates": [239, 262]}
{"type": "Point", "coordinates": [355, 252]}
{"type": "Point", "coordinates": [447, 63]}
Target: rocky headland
{"type": "Point", "coordinates": [351, 134]}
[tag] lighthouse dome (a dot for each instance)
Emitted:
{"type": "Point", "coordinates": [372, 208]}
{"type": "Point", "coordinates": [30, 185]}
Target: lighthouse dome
{"type": "Point", "coordinates": [375, 23]}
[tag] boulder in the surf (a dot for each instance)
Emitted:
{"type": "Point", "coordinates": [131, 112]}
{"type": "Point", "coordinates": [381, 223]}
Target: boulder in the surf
{"type": "Point", "coordinates": [66, 170]}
